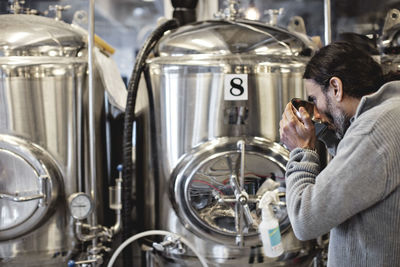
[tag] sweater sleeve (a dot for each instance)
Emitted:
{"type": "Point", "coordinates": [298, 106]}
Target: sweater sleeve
{"type": "Point", "coordinates": [328, 137]}
{"type": "Point", "coordinates": [319, 201]}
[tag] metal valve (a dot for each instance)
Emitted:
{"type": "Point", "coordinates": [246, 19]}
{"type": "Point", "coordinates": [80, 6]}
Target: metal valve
{"type": "Point", "coordinates": [16, 7]}
{"type": "Point", "coordinates": [170, 243]}
{"type": "Point", "coordinates": [58, 10]}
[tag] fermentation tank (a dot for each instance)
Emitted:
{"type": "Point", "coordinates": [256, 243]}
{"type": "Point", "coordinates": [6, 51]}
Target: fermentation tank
{"type": "Point", "coordinates": [207, 140]}
{"type": "Point", "coordinates": [389, 42]}
{"type": "Point", "coordinates": [43, 138]}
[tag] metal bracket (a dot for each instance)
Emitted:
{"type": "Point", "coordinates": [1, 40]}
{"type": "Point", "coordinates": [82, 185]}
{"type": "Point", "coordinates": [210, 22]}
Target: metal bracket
{"type": "Point", "coordinates": [296, 24]}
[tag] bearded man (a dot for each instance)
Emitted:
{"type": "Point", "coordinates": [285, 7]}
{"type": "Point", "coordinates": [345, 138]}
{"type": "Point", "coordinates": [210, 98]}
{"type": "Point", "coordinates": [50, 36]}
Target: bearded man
{"type": "Point", "coordinates": [356, 197]}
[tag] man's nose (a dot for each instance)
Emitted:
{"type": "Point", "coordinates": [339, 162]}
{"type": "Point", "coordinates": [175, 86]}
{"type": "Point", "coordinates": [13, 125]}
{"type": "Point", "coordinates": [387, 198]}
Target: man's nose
{"type": "Point", "coordinates": [317, 115]}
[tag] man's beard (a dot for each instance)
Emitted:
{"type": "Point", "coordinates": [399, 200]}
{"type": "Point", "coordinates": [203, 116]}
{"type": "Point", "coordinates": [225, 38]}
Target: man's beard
{"type": "Point", "coordinates": [339, 119]}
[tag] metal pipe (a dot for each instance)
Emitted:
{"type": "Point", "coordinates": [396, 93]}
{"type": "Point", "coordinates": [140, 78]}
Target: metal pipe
{"type": "Point", "coordinates": [241, 146]}
{"type": "Point", "coordinates": [79, 137]}
{"type": "Point", "coordinates": [92, 137]}
{"type": "Point", "coordinates": [80, 235]}
{"type": "Point", "coordinates": [238, 210]}
{"type": "Point", "coordinates": [118, 223]}
{"type": "Point", "coordinates": [108, 136]}
{"type": "Point", "coordinates": [118, 204]}
{"type": "Point", "coordinates": [327, 22]}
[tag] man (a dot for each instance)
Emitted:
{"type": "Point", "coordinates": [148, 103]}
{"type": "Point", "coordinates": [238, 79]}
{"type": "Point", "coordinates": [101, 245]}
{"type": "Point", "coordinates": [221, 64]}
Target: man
{"type": "Point", "coordinates": [357, 196]}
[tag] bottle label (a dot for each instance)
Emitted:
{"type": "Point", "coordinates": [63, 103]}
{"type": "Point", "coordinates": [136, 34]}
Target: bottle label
{"type": "Point", "coordinates": [274, 236]}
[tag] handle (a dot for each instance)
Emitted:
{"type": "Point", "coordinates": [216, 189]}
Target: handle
{"type": "Point", "coordinates": [42, 194]}
{"type": "Point", "coordinates": [242, 208]}
{"type": "Point", "coordinates": [242, 198]}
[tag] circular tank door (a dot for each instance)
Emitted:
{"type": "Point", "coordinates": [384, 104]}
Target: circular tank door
{"type": "Point", "coordinates": [28, 186]}
{"type": "Point", "coordinates": [207, 185]}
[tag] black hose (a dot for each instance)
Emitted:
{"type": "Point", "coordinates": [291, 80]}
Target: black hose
{"type": "Point", "coordinates": [151, 41]}
{"type": "Point", "coordinates": [184, 11]}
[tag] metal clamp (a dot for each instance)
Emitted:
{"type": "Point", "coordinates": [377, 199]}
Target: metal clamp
{"type": "Point", "coordinates": [42, 194]}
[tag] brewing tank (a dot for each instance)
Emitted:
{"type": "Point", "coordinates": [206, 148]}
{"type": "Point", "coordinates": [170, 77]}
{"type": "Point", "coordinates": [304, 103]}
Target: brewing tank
{"type": "Point", "coordinates": [207, 133]}
{"type": "Point", "coordinates": [43, 137]}
{"type": "Point", "coordinates": [389, 42]}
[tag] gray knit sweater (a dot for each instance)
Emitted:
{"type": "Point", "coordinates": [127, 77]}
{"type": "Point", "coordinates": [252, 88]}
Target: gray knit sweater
{"type": "Point", "coordinates": [357, 196]}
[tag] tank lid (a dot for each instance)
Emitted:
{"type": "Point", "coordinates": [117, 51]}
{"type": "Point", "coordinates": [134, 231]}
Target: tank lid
{"type": "Point", "coordinates": [225, 37]}
{"type": "Point", "coordinates": [30, 35]}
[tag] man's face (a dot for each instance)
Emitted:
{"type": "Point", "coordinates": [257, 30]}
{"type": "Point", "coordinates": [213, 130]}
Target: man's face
{"type": "Point", "coordinates": [326, 109]}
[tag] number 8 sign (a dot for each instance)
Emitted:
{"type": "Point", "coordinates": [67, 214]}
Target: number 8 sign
{"type": "Point", "coordinates": [235, 87]}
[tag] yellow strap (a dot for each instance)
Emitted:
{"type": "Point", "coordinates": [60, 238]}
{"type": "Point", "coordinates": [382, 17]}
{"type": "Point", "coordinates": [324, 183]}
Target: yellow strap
{"type": "Point", "coordinates": [103, 45]}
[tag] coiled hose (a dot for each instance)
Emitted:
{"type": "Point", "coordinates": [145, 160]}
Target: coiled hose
{"type": "Point", "coordinates": [129, 118]}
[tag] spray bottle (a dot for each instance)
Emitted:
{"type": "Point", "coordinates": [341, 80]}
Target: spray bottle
{"type": "Point", "coordinates": [269, 227]}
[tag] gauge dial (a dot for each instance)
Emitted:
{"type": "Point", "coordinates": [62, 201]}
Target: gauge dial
{"type": "Point", "coordinates": [80, 205]}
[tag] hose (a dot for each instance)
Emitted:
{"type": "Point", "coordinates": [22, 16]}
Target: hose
{"type": "Point", "coordinates": [133, 86]}
{"type": "Point", "coordinates": [155, 232]}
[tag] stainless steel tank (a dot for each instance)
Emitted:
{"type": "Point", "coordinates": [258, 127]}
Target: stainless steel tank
{"type": "Point", "coordinates": [215, 94]}
{"type": "Point", "coordinates": [389, 42]}
{"type": "Point", "coordinates": [43, 138]}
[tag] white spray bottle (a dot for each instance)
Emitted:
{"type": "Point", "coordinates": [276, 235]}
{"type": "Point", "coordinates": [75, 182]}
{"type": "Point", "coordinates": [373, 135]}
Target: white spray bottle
{"type": "Point", "coordinates": [269, 227]}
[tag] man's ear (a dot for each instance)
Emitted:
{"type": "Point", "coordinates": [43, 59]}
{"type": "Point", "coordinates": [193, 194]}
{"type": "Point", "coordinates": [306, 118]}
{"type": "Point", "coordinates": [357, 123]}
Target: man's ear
{"type": "Point", "coordinates": [337, 88]}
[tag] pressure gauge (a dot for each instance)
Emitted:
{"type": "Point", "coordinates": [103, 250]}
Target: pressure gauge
{"type": "Point", "coordinates": [80, 205]}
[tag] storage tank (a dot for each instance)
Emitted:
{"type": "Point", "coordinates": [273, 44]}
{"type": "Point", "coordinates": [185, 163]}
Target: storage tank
{"type": "Point", "coordinates": [43, 138]}
{"type": "Point", "coordinates": [389, 42]}
{"type": "Point", "coordinates": [207, 134]}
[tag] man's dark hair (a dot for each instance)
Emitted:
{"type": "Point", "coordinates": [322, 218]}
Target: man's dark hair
{"type": "Point", "coordinates": [358, 71]}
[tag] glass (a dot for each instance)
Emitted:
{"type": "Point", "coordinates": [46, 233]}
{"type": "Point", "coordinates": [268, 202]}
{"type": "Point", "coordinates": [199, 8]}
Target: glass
{"type": "Point", "coordinates": [115, 197]}
{"type": "Point", "coordinates": [309, 106]}
{"type": "Point", "coordinates": [320, 127]}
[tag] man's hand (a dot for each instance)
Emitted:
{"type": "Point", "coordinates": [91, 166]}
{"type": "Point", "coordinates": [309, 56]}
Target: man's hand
{"type": "Point", "coordinates": [297, 132]}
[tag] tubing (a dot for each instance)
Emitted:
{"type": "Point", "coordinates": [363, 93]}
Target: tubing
{"type": "Point", "coordinates": [128, 126]}
{"type": "Point", "coordinates": [155, 232]}
{"type": "Point", "coordinates": [92, 132]}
